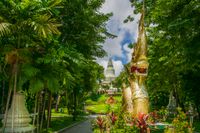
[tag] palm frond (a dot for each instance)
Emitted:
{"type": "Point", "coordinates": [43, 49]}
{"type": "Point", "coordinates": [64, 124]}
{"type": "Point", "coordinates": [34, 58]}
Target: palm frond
{"type": "Point", "coordinates": [36, 85]}
{"type": "Point", "coordinates": [44, 25]}
{"type": "Point", "coordinates": [29, 71]}
{"type": "Point", "coordinates": [73, 55]}
{"type": "Point", "coordinates": [4, 28]}
{"type": "Point", "coordinates": [53, 84]}
{"type": "Point", "coordinates": [54, 3]}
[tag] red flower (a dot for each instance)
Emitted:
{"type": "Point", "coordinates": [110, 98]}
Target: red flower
{"type": "Point", "coordinates": [113, 118]}
{"type": "Point", "coordinates": [142, 121]}
{"type": "Point", "coordinates": [100, 122]}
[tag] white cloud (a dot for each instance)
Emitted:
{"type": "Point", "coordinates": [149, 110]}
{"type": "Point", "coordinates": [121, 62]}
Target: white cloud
{"type": "Point", "coordinates": [120, 9]}
{"type": "Point", "coordinates": [128, 52]}
{"type": "Point", "coordinates": [118, 66]}
{"type": "Point", "coordinates": [113, 47]}
{"type": "Point", "coordinates": [103, 62]}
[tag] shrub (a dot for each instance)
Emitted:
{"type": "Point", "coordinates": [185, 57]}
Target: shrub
{"type": "Point", "coordinates": [180, 122]}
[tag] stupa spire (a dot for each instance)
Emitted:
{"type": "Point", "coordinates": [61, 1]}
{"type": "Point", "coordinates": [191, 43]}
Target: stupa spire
{"type": "Point", "coordinates": [110, 63]}
{"type": "Point", "coordinates": [110, 71]}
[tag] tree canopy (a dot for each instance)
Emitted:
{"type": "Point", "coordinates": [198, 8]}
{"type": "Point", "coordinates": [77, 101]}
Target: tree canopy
{"type": "Point", "coordinates": [51, 46]}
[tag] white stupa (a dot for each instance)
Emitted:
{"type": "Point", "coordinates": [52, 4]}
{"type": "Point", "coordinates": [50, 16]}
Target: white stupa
{"type": "Point", "coordinates": [109, 73]}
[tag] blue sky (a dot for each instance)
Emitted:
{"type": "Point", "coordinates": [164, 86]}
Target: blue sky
{"type": "Point", "coordinates": [117, 48]}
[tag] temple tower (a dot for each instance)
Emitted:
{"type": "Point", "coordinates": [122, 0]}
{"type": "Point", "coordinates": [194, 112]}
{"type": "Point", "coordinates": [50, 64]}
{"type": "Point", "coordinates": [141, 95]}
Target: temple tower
{"type": "Point", "coordinates": [110, 72]}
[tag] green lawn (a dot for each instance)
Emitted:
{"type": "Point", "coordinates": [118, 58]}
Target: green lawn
{"type": "Point", "coordinates": [59, 114]}
{"type": "Point", "coordinates": [102, 108]}
{"type": "Point", "coordinates": [102, 99]}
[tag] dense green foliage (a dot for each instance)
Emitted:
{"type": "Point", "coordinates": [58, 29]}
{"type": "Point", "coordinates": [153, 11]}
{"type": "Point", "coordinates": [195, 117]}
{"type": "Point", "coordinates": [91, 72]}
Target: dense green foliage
{"type": "Point", "coordinates": [50, 47]}
{"type": "Point", "coordinates": [48, 50]}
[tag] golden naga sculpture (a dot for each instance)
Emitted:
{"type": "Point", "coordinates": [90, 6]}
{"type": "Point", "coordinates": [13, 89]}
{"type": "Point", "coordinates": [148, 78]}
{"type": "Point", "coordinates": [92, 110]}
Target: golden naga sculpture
{"type": "Point", "coordinates": [139, 66]}
{"type": "Point", "coordinates": [127, 99]}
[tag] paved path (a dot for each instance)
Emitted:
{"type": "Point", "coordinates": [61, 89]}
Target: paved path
{"type": "Point", "coordinates": [84, 127]}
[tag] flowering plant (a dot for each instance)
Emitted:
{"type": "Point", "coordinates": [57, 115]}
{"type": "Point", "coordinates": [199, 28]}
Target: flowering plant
{"type": "Point", "coordinates": [142, 122]}
{"type": "Point", "coordinates": [113, 118]}
{"type": "Point", "coordinates": [153, 117]}
{"type": "Point", "coordinates": [180, 122]}
{"type": "Point", "coordinates": [101, 123]}
{"type": "Point", "coordinates": [163, 113]}
{"type": "Point", "coordinates": [123, 123]}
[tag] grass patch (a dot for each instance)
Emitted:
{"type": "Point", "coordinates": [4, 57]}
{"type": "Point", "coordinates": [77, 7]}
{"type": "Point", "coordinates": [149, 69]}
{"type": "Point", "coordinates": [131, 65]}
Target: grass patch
{"type": "Point", "coordinates": [98, 109]}
{"type": "Point", "coordinates": [90, 102]}
{"type": "Point", "coordinates": [102, 108]}
{"type": "Point", "coordinates": [60, 123]}
{"type": "Point", "coordinates": [118, 98]}
{"type": "Point", "coordinates": [101, 99]}
{"type": "Point", "coordinates": [64, 113]}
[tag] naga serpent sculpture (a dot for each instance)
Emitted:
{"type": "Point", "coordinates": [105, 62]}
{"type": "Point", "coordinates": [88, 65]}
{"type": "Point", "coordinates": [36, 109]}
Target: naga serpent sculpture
{"type": "Point", "coordinates": [139, 67]}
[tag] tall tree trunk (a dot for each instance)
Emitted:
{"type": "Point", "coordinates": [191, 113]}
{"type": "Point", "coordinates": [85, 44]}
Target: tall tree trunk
{"type": "Point", "coordinates": [38, 110]}
{"type": "Point", "coordinates": [1, 100]}
{"type": "Point", "coordinates": [3, 96]}
{"type": "Point", "coordinates": [13, 79]}
{"type": "Point", "coordinates": [49, 110]}
{"type": "Point", "coordinates": [74, 105]}
{"type": "Point", "coordinates": [178, 100]}
{"type": "Point", "coordinates": [14, 91]}
{"type": "Point", "coordinates": [35, 108]}
{"type": "Point", "coordinates": [57, 102]}
{"type": "Point", "coordinates": [7, 106]}
{"type": "Point", "coordinates": [43, 111]}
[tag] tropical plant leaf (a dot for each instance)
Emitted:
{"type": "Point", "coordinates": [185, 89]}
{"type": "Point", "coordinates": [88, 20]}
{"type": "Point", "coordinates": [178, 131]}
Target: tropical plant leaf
{"type": "Point", "coordinates": [4, 28]}
{"type": "Point", "coordinates": [53, 84]}
{"type": "Point", "coordinates": [44, 25]}
{"type": "Point", "coordinates": [36, 85]}
{"type": "Point", "coordinates": [29, 71]}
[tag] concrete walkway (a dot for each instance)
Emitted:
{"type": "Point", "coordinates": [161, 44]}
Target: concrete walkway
{"type": "Point", "coordinates": [84, 127]}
